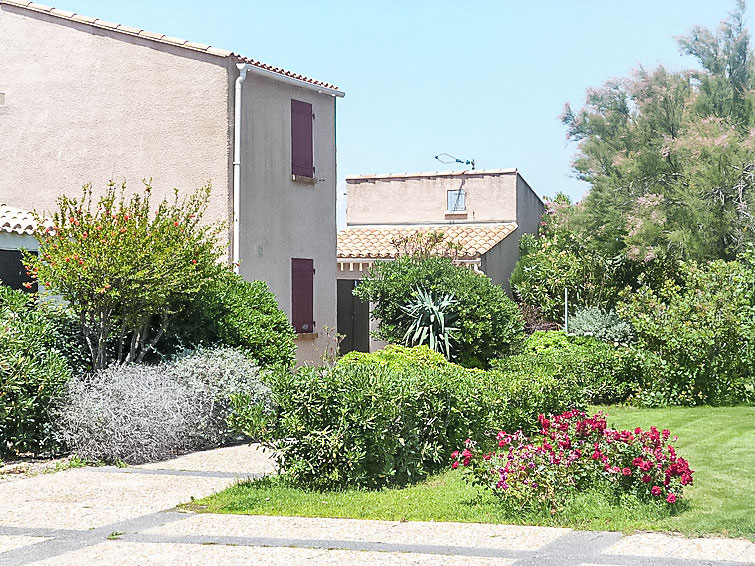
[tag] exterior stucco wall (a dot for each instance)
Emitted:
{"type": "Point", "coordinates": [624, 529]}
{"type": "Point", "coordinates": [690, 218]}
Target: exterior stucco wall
{"type": "Point", "coordinates": [85, 104]}
{"type": "Point", "coordinates": [281, 218]}
{"type": "Point", "coordinates": [423, 200]}
{"type": "Point", "coordinates": [499, 261]}
{"type": "Point", "coordinates": [529, 207]}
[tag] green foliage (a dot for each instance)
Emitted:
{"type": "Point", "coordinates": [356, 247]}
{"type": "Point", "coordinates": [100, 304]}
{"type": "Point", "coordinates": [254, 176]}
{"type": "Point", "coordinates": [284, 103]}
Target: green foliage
{"type": "Point", "coordinates": [583, 366]}
{"type": "Point", "coordinates": [369, 424]}
{"type": "Point", "coordinates": [560, 258]}
{"type": "Point", "coordinates": [32, 371]}
{"type": "Point", "coordinates": [602, 325]}
{"type": "Point", "coordinates": [392, 417]}
{"type": "Point", "coordinates": [237, 313]}
{"type": "Point", "coordinates": [395, 355]}
{"type": "Point", "coordinates": [430, 322]}
{"type": "Point", "coordinates": [670, 157]}
{"type": "Point", "coordinates": [125, 266]}
{"type": "Point", "coordinates": [489, 323]}
{"type": "Point", "coordinates": [513, 397]}
{"type": "Point", "coordinates": [700, 332]}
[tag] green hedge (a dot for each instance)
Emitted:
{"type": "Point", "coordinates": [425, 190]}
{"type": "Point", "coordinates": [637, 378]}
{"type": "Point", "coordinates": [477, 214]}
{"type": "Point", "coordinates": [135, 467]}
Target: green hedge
{"type": "Point", "coordinates": [32, 371]}
{"type": "Point", "coordinates": [392, 417]}
{"type": "Point", "coordinates": [698, 332]}
{"type": "Point", "coordinates": [240, 314]}
{"type": "Point", "coordinates": [606, 373]}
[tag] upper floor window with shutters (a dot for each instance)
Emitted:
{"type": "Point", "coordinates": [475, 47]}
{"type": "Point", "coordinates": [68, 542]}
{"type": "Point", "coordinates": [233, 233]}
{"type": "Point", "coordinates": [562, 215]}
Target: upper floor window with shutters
{"type": "Point", "coordinates": [302, 143]}
{"type": "Point", "coordinates": [456, 201]}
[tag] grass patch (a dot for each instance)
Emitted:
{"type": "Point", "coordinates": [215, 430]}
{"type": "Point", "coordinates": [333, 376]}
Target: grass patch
{"type": "Point", "coordinates": [718, 442]}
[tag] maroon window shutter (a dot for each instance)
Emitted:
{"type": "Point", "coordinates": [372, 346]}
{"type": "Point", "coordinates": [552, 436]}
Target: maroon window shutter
{"type": "Point", "coordinates": [302, 159]}
{"type": "Point", "coordinates": [302, 283]}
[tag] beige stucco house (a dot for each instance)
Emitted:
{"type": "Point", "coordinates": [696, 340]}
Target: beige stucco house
{"type": "Point", "coordinates": [86, 100]}
{"type": "Point", "coordinates": [482, 212]}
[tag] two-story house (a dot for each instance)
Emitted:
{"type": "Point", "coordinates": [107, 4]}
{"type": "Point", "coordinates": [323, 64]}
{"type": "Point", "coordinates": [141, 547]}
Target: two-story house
{"type": "Point", "coordinates": [483, 213]}
{"type": "Point", "coordinates": [83, 100]}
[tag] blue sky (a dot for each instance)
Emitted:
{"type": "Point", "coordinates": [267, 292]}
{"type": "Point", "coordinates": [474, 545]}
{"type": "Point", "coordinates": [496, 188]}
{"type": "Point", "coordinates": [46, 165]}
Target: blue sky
{"type": "Point", "coordinates": [475, 79]}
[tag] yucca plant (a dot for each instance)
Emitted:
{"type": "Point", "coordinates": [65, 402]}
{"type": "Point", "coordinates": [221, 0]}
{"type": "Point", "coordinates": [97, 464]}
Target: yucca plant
{"type": "Point", "coordinates": [429, 322]}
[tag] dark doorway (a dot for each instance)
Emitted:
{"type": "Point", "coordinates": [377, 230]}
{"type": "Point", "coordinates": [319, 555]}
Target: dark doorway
{"type": "Point", "coordinates": [13, 272]}
{"type": "Point", "coordinates": [353, 318]}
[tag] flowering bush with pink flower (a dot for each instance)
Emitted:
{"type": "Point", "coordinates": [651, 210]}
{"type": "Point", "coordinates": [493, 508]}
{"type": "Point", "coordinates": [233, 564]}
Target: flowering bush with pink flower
{"type": "Point", "coordinates": [573, 452]}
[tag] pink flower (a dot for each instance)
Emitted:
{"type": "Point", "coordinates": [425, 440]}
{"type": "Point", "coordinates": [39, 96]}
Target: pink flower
{"type": "Point", "coordinates": [671, 498]}
{"type": "Point", "coordinates": [626, 471]}
{"type": "Point", "coordinates": [646, 478]}
{"type": "Point", "coordinates": [656, 490]}
{"type": "Point", "coordinates": [455, 465]}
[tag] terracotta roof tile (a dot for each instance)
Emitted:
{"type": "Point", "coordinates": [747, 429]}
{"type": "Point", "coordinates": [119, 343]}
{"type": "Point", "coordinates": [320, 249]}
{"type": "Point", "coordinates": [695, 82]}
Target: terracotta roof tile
{"type": "Point", "coordinates": [378, 243]}
{"type": "Point", "coordinates": [201, 47]}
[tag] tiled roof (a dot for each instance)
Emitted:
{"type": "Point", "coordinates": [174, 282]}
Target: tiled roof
{"type": "Point", "coordinates": [16, 221]}
{"type": "Point", "coordinates": [162, 38]}
{"type": "Point", "coordinates": [466, 172]}
{"type": "Point", "coordinates": [378, 243]}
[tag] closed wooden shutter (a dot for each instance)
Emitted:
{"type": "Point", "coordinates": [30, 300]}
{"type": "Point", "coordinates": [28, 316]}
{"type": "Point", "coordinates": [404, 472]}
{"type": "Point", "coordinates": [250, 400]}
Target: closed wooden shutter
{"type": "Point", "coordinates": [302, 157]}
{"type": "Point", "coordinates": [302, 304]}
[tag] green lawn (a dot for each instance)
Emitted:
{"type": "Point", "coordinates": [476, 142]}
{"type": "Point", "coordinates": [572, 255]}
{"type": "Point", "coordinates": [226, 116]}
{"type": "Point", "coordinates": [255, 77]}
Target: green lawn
{"type": "Point", "coordinates": [718, 442]}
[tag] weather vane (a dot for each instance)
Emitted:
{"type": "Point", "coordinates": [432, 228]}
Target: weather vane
{"type": "Point", "coordinates": [447, 158]}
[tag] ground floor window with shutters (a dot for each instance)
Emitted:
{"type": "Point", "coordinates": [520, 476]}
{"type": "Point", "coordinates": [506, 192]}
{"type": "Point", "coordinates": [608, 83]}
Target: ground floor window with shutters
{"type": "Point", "coordinates": [302, 295]}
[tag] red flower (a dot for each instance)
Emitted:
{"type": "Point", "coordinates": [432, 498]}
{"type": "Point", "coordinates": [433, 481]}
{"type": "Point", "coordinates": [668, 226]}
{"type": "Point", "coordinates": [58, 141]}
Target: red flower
{"type": "Point", "coordinates": [671, 498]}
{"type": "Point", "coordinates": [626, 471]}
{"type": "Point", "coordinates": [646, 478]}
{"type": "Point", "coordinates": [656, 490]}
{"type": "Point", "coordinates": [175, 224]}
{"type": "Point", "coordinates": [455, 465]}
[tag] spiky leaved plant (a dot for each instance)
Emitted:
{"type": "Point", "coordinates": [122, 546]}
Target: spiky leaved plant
{"type": "Point", "coordinates": [429, 321]}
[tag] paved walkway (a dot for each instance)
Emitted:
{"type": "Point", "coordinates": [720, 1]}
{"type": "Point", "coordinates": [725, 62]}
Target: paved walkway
{"type": "Point", "coordinates": [126, 516]}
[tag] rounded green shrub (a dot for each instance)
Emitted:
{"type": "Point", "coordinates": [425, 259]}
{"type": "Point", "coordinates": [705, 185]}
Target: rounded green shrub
{"type": "Point", "coordinates": [602, 325]}
{"type": "Point", "coordinates": [392, 417]}
{"type": "Point", "coordinates": [144, 413]}
{"type": "Point", "coordinates": [32, 371]}
{"type": "Point", "coordinates": [241, 314]}
{"type": "Point", "coordinates": [605, 373]}
{"type": "Point", "coordinates": [489, 323]}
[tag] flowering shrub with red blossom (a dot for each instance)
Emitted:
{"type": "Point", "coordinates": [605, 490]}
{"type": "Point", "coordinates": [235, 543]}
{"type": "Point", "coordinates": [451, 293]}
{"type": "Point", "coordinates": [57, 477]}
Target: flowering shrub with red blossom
{"type": "Point", "coordinates": [573, 452]}
{"type": "Point", "coordinates": [124, 265]}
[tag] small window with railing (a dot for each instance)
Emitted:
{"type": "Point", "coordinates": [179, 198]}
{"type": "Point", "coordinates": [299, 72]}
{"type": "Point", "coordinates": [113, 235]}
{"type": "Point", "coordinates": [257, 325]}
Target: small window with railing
{"type": "Point", "coordinates": [456, 201]}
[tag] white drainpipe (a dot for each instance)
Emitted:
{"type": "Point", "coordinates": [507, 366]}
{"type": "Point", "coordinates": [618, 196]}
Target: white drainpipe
{"type": "Point", "coordinates": [237, 164]}
{"type": "Point", "coordinates": [243, 68]}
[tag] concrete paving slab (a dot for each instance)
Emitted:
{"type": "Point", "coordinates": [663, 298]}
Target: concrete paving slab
{"type": "Point", "coordinates": [669, 546]}
{"type": "Point", "coordinates": [12, 542]}
{"type": "Point", "coordinates": [147, 554]}
{"type": "Point", "coordinates": [389, 532]}
{"type": "Point", "coordinates": [241, 460]}
{"type": "Point", "coordinates": [85, 499]}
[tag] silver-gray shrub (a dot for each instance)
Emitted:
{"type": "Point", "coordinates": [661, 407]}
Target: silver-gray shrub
{"type": "Point", "coordinates": [140, 413]}
{"type": "Point", "coordinates": [602, 325]}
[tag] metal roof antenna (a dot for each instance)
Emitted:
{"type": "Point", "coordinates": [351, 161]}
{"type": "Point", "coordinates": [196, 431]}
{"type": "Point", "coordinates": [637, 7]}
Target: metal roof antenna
{"type": "Point", "coordinates": [447, 158]}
